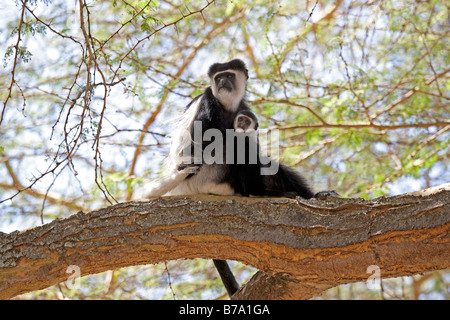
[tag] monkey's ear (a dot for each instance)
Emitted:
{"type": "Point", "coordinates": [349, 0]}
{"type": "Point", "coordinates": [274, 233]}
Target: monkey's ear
{"type": "Point", "coordinates": [246, 73]}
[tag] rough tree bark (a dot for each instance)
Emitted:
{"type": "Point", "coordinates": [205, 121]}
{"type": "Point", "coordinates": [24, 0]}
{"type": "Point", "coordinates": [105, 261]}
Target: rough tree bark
{"type": "Point", "coordinates": [302, 247]}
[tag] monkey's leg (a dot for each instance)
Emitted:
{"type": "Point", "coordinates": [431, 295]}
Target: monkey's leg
{"type": "Point", "coordinates": [169, 181]}
{"type": "Point", "coordinates": [325, 194]}
{"type": "Point", "coordinates": [228, 279]}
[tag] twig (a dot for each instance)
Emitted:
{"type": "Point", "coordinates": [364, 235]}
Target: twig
{"type": "Point", "coordinates": [16, 47]}
{"type": "Point", "coordinates": [311, 13]}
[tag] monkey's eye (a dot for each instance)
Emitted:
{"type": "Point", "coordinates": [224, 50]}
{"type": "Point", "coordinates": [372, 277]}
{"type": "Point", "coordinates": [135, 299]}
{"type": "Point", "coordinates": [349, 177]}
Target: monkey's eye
{"type": "Point", "coordinates": [247, 123]}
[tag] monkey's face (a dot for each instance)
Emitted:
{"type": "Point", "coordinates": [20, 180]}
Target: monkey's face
{"type": "Point", "coordinates": [229, 87]}
{"type": "Point", "coordinates": [225, 81]}
{"type": "Point", "coordinates": [243, 123]}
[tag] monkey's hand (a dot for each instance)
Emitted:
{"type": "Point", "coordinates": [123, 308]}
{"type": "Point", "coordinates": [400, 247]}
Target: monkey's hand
{"type": "Point", "coordinates": [189, 168]}
{"type": "Point", "coordinates": [249, 130]}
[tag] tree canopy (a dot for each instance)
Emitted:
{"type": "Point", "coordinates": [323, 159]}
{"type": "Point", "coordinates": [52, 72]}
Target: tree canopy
{"type": "Point", "coordinates": [359, 91]}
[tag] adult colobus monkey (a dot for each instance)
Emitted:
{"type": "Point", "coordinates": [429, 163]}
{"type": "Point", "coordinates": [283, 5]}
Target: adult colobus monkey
{"type": "Point", "coordinates": [221, 107]}
{"type": "Point", "coordinates": [216, 108]}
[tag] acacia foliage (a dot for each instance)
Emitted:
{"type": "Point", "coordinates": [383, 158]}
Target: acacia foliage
{"type": "Point", "coordinates": [358, 89]}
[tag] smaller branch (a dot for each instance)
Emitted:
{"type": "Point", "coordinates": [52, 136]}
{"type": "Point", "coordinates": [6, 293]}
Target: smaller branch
{"type": "Point", "coordinates": [427, 140]}
{"type": "Point", "coordinates": [93, 60]}
{"type": "Point", "coordinates": [399, 82]}
{"type": "Point", "coordinates": [16, 54]}
{"type": "Point", "coordinates": [320, 146]}
{"type": "Point", "coordinates": [294, 104]}
{"type": "Point", "coordinates": [366, 109]}
{"type": "Point", "coordinates": [53, 199]}
{"type": "Point", "coordinates": [367, 125]}
{"type": "Point", "coordinates": [123, 25]}
{"type": "Point", "coordinates": [208, 3]}
{"type": "Point", "coordinates": [311, 13]}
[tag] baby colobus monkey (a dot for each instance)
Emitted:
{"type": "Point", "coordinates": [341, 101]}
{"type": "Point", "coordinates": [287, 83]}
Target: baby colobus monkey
{"type": "Point", "coordinates": [247, 179]}
{"type": "Point", "coordinates": [244, 174]}
{"type": "Point", "coordinates": [245, 121]}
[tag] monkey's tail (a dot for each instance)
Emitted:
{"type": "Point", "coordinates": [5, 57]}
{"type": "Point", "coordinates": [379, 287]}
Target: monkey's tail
{"type": "Point", "coordinates": [228, 279]}
{"type": "Point", "coordinates": [290, 181]}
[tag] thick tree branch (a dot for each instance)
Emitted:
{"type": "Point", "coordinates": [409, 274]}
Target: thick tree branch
{"type": "Point", "coordinates": [302, 246]}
